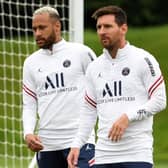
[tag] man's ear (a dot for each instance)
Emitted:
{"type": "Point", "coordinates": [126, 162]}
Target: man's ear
{"type": "Point", "coordinates": [57, 26]}
{"type": "Point", "coordinates": [124, 28]}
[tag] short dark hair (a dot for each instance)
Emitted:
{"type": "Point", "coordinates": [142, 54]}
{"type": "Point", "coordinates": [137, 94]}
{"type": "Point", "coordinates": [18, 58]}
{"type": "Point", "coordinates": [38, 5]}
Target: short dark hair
{"type": "Point", "coordinates": [120, 15]}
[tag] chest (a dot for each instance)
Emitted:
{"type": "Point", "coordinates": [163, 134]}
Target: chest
{"type": "Point", "coordinates": [57, 71]}
{"type": "Point", "coordinates": [118, 79]}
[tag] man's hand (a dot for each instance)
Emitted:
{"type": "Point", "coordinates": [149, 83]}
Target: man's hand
{"type": "Point", "coordinates": [33, 142]}
{"type": "Point", "coordinates": [118, 128]}
{"type": "Point", "coordinates": [73, 157]}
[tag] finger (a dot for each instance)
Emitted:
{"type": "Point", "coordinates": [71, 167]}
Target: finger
{"type": "Point", "coordinates": [37, 138]}
{"type": "Point", "coordinates": [116, 138]}
{"type": "Point", "coordinates": [70, 161]}
{"type": "Point", "coordinates": [75, 161]}
{"type": "Point", "coordinates": [73, 158]}
{"type": "Point", "coordinates": [38, 143]}
{"type": "Point", "coordinates": [113, 131]}
{"type": "Point", "coordinates": [34, 147]}
{"type": "Point", "coordinates": [115, 134]}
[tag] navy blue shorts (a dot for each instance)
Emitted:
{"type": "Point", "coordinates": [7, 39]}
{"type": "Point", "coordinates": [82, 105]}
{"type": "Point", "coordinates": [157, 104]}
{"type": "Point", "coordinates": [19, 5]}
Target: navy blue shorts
{"type": "Point", "coordinates": [58, 159]}
{"type": "Point", "coordinates": [126, 165]}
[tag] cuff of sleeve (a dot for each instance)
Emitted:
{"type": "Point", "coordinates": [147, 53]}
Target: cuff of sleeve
{"type": "Point", "coordinates": [26, 133]}
{"type": "Point", "coordinates": [131, 115]}
{"type": "Point", "coordinates": [76, 144]}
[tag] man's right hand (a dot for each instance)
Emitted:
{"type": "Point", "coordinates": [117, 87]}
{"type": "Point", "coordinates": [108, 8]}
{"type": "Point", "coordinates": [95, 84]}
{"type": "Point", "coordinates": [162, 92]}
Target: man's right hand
{"type": "Point", "coordinates": [73, 158]}
{"type": "Point", "coordinates": [33, 142]}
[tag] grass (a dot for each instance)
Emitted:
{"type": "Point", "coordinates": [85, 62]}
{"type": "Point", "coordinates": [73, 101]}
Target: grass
{"type": "Point", "coordinates": [161, 165]}
{"type": "Point", "coordinates": [153, 39]}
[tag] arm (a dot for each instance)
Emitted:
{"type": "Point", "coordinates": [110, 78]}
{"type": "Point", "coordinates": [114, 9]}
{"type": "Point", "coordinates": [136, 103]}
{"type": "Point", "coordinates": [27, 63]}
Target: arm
{"type": "Point", "coordinates": [73, 157]}
{"type": "Point", "coordinates": [156, 92]}
{"type": "Point", "coordinates": [87, 122]}
{"type": "Point", "coordinates": [154, 84]}
{"type": "Point", "coordinates": [29, 110]}
{"type": "Point", "coordinates": [155, 104]}
{"type": "Point", "coordinates": [87, 57]}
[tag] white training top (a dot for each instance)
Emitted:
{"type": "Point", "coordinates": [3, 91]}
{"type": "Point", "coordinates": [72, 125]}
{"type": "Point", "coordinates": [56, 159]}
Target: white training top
{"type": "Point", "coordinates": [131, 83]}
{"type": "Point", "coordinates": [53, 86]}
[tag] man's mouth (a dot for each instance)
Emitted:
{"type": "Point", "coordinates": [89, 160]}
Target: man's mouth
{"type": "Point", "coordinates": [39, 41]}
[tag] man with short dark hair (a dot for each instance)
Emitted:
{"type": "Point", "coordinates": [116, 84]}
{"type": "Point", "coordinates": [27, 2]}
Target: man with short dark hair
{"type": "Point", "coordinates": [125, 89]}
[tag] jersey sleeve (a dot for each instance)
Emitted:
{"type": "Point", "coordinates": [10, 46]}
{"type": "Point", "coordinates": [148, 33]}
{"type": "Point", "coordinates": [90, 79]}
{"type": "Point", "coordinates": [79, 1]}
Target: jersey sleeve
{"type": "Point", "coordinates": [88, 114]}
{"type": "Point", "coordinates": [155, 87]}
{"type": "Point", "coordinates": [29, 101]}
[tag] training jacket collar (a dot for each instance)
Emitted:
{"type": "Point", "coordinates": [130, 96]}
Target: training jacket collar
{"type": "Point", "coordinates": [121, 53]}
{"type": "Point", "coordinates": [55, 48]}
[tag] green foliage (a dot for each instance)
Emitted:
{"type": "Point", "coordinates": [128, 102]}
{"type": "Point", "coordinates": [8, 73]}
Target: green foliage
{"type": "Point", "coordinates": [140, 12]}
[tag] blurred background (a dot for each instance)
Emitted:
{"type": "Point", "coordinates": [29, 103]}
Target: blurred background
{"type": "Point", "coordinates": [140, 12]}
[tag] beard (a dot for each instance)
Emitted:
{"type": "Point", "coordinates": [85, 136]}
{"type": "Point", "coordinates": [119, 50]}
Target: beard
{"type": "Point", "coordinates": [107, 45]}
{"type": "Point", "coordinates": [46, 43]}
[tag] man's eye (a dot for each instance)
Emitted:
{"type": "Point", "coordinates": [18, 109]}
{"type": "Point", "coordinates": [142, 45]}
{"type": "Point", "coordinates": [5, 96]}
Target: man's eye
{"type": "Point", "coordinates": [98, 27]}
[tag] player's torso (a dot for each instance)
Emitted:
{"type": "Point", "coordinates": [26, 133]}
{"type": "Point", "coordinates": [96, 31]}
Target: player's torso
{"type": "Point", "coordinates": [58, 72]}
{"type": "Point", "coordinates": [118, 82]}
{"type": "Point", "coordinates": [119, 88]}
{"type": "Point", "coordinates": [59, 88]}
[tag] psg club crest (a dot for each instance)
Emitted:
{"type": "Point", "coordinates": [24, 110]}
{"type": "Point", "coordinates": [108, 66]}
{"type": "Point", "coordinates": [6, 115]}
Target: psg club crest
{"type": "Point", "coordinates": [66, 63]}
{"type": "Point", "coordinates": [125, 71]}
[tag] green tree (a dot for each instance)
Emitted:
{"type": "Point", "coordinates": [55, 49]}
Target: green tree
{"type": "Point", "coordinates": [140, 12]}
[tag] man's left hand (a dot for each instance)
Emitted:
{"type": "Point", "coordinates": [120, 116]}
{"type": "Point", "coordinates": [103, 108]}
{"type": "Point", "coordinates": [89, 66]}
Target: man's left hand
{"type": "Point", "coordinates": [118, 128]}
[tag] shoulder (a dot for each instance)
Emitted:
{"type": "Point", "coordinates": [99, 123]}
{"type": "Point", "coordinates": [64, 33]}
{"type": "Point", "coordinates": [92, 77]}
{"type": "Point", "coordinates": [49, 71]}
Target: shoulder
{"type": "Point", "coordinates": [34, 57]}
{"type": "Point", "coordinates": [146, 63]}
{"type": "Point", "coordinates": [142, 55]}
{"type": "Point", "coordinates": [96, 65]}
{"type": "Point", "coordinates": [78, 47]}
{"type": "Point", "coordinates": [81, 50]}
